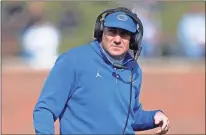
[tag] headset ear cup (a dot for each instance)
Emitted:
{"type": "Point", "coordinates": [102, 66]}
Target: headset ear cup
{"type": "Point", "coordinates": [99, 26]}
{"type": "Point", "coordinates": [134, 42]}
{"type": "Point", "coordinates": [96, 29]}
{"type": "Point", "coordinates": [139, 43]}
{"type": "Point", "coordinates": [137, 37]}
{"type": "Point", "coordinates": [139, 40]}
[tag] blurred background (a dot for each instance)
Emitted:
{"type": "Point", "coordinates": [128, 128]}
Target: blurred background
{"type": "Point", "coordinates": [172, 59]}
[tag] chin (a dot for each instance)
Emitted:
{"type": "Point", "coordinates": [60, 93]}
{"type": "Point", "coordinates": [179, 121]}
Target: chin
{"type": "Point", "coordinates": [116, 54]}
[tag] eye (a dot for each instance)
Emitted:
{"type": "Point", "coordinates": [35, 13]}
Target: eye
{"type": "Point", "coordinates": [125, 33]}
{"type": "Point", "coordinates": [113, 31]}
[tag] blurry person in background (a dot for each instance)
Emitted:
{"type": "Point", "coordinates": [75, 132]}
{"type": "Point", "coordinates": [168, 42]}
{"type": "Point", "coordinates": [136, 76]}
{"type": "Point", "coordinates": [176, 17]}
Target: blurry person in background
{"type": "Point", "coordinates": [148, 13]}
{"type": "Point", "coordinates": [95, 88]}
{"type": "Point", "coordinates": [191, 32]}
{"type": "Point", "coordinates": [40, 40]}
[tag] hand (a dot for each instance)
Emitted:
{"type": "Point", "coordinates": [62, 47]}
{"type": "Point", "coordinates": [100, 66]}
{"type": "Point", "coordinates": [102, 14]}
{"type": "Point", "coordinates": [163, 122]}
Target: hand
{"type": "Point", "coordinates": [161, 120]}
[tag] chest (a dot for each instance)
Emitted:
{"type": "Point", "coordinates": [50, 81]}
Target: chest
{"type": "Point", "coordinates": [100, 82]}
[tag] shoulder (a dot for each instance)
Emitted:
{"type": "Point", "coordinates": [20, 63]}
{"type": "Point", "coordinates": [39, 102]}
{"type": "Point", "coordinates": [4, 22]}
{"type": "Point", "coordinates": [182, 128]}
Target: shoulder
{"type": "Point", "coordinates": [75, 54]}
{"type": "Point", "coordinates": [76, 51]}
{"type": "Point", "coordinates": [80, 50]}
{"type": "Point", "coordinates": [138, 73]}
{"type": "Point", "coordinates": [137, 68]}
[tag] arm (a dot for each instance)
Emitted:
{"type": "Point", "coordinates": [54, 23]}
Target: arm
{"type": "Point", "coordinates": [144, 120]}
{"type": "Point", "coordinates": [54, 96]}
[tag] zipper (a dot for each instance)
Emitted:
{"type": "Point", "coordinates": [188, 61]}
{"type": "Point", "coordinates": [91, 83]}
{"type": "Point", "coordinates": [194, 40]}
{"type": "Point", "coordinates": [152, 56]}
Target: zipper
{"type": "Point", "coordinates": [115, 69]}
{"type": "Point", "coordinates": [116, 75]}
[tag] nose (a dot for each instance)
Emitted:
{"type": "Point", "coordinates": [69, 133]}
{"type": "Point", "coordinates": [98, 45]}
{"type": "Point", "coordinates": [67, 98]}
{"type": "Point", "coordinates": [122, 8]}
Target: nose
{"type": "Point", "coordinates": [117, 39]}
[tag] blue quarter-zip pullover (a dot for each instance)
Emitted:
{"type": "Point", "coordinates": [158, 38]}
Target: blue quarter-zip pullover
{"type": "Point", "coordinates": [90, 96]}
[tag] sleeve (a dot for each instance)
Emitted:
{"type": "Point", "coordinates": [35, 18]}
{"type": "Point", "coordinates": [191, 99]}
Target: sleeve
{"type": "Point", "coordinates": [144, 120]}
{"type": "Point", "coordinates": [54, 95]}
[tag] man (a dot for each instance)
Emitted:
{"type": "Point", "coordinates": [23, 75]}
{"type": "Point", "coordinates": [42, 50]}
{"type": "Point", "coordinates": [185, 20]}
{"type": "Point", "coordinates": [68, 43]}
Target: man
{"type": "Point", "coordinates": [94, 89]}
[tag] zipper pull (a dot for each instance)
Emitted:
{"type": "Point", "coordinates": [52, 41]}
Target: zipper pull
{"type": "Point", "coordinates": [116, 74]}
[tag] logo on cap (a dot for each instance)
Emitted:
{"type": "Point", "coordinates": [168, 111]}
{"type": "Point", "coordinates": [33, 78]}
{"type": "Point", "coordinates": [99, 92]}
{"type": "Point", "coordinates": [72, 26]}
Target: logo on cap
{"type": "Point", "coordinates": [122, 17]}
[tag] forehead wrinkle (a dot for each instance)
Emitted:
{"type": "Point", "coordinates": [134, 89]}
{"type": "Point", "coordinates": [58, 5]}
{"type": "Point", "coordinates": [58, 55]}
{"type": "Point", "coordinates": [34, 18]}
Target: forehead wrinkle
{"type": "Point", "coordinates": [118, 29]}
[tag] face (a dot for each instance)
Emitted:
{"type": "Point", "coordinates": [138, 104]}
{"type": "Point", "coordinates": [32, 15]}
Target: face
{"type": "Point", "coordinates": [115, 42]}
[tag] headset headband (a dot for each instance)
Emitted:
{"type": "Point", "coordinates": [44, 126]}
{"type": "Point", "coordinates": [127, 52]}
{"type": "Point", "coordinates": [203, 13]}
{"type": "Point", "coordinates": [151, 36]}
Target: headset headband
{"type": "Point", "coordinates": [126, 11]}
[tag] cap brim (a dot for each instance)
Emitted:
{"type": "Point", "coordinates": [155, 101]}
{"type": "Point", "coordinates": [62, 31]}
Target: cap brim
{"type": "Point", "coordinates": [121, 26]}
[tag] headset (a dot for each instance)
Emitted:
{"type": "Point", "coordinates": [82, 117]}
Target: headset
{"type": "Point", "coordinates": [135, 43]}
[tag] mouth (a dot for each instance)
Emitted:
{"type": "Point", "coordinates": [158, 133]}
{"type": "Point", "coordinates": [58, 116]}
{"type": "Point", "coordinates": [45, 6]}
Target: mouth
{"type": "Point", "coordinates": [116, 46]}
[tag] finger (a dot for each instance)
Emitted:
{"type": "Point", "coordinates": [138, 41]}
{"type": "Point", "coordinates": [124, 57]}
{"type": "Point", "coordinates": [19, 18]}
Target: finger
{"type": "Point", "coordinates": [164, 126]}
{"type": "Point", "coordinates": [157, 121]}
{"type": "Point", "coordinates": [164, 131]}
{"type": "Point", "coordinates": [161, 132]}
{"type": "Point", "coordinates": [168, 126]}
{"type": "Point", "coordinates": [158, 131]}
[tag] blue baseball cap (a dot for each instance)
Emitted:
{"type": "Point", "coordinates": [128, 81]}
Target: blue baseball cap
{"type": "Point", "coordinates": [120, 20]}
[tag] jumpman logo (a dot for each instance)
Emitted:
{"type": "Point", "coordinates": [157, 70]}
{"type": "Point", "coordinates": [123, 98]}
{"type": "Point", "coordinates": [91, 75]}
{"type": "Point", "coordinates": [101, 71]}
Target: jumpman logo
{"type": "Point", "coordinates": [131, 80]}
{"type": "Point", "coordinates": [98, 75]}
